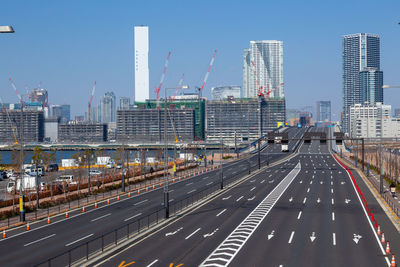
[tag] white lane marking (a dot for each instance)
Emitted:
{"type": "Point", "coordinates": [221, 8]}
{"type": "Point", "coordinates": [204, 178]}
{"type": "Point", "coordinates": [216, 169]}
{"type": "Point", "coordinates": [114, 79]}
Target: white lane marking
{"type": "Point", "coordinates": [332, 190]}
{"type": "Point", "coordinates": [239, 198]}
{"type": "Point", "coordinates": [210, 234]}
{"type": "Point", "coordinates": [152, 263]}
{"type": "Point", "coordinates": [290, 199]}
{"type": "Point", "coordinates": [209, 183]}
{"type": "Point", "coordinates": [356, 238]}
{"type": "Point", "coordinates": [318, 200]}
{"type": "Point", "coordinates": [271, 235]}
{"type": "Point", "coordinates": [333, 202]}
{"type": "Point", "coordinates": [189, 183]}
{"type": "Point", "coordinates": [191, 191]}
{"type": "Point", "coordinates": [262, 181]}
{"type": "Point", "coordinates": [189, 236]}
{"type": "Point", "coordinates": [333, 216]}
{"type": "Point", "coordinates": [291, 238]}
{"type": "Point", "coordinates": [308, 190]}
{"type": "Point", "coordinates": [252, 188]}
{"type": "Point", "coordinates": [251, 198]}
{"type": "Point", "coordinates": [312, 237]}
{"type": "Point", "coordinates": [101, 217]}
{"type": "Point", "coordinates": [140, 202]}
{"type": "Point", "coordinates": [347, 201]}
{"type": "Point", "coordinates": [174, 232]}
{"type": "Point", "coordinates": [225, 198]}
{"type": "Point", "coordinates": [334, 239]}
{"type": "Point", "coordinates": [331, 183]}
{"type": "Point", "coordinates": [80, 239]}
{"type": "Point", "coordinates": [301, 182]}
{"type": "Point", "coordinates": [205, 177]}
{"type": "Point", "coordinates": [310, 182]}
{"type": "Point", "coordinates": [130, 218]}
{"type": "Point", "coordinates": [304, 201]}
{"type": "Point", "coordinates": [221, 212]}
{"type": "Point", "coordinates": [41, 239]}
{"type": "Point", "coordinates": [172, 190]}
{"type": "Point", "coordinates": [298, 217]}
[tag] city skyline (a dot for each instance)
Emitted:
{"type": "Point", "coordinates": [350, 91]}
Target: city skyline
{"type": "Point", "coordinates": [68, 61]}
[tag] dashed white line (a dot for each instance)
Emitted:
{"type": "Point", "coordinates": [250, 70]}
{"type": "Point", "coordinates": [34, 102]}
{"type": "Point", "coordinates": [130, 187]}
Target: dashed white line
{"type": "Point", "coordinates": [308, 190]}
{"type": "Point", "coordinates": [209, 183]}
{"type": "Point", "coordinates": [151, 264]}
{"type": "Point", "coordinates": [332, 190]}
{"type": "Point", "coordinates": [333, 202]}
{"type": "Point", "coordinates": [41, 239]}
{"type": "Point", "coordinates": [239, 198]}
{"type": "Point", "coordinates": [189, 236]}
{"type": "Point", "coordinates": [291, 238]}
{"type": "Point", "coordinates": [189, 183]}
{"type": "Point", "coordinates": [191, 191]}
{"type": "Point", "coordinates": [298, 217]}
{"type": "Point", "coordinates": [334, 239]}
{"type": "Point", "coordinates": [101, 217]}
{"type": "Point", "coordinates": [221, 212]}
{"type": "Point", "coordinates": [80, 239]}
{"type": "Point", "coordinates": [304, 201]}
{"type": "Point", "coordinates": [252, 188]}
{"type": "Point", "coordinates": [127, 219]}
{"type": "Point", "coordinates": [140, 202]}
{"type": "Point", "coordinates": [333, 216]}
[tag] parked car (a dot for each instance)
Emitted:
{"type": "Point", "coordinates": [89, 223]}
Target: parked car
{"type": "Point", "coordinates": [119, 166]}
{"type": "Point", "coordinates": [69, 179]}
{"type": "Point", "coordinates": [95, 172]}
{"type": "Point", "coordinates": [3, 175]}
{"type": "Point", "coordinates": [52, 168]}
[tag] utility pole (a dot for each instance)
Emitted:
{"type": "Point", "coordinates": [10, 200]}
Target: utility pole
{"type": "Point", "coordinates": [259, 154]}
{"type": "Point", "coordinates": [382, 170]}
{"type": "Point", "coordinates": [166, 190]}
{"type": "Point", "coordinates": [123, 174]}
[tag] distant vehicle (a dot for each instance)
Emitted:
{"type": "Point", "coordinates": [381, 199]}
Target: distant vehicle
{"type": "Point", "coordinates": [110, 165]}
{"type": "Point", "coordinates": [52, 168]}
{"type": "Point", "coordinates": [68, 163]}
{"type": "Point", "coordinates": [32, 172]}
{"type": "Point", "coordinates": [119, 166]}
{"type": "Point", "coordinates": [69, 179]}
{"type": "Point", "coordinates": [285, 148]}
{"type": "Point", "coordinates": [278, 139]}
{"type": "Point", "coordinates": [3, 175]}
{"type": "Point", "coordinates": [103, 160]}
{"type": "Point", "coordinates": [26, 183]}
{"type": "Point", "coordinates": [95, 172]}
{"type": "Point", "coordinates": [10, 173]}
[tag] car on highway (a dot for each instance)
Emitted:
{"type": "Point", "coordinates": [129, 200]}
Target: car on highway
{"type": "Point", "coordinates": [69, 179]}
{"type": "Point", "coordinates": [119, 166]}
{"type": "Point", "coordinates": [52, 167]}
{"type": "Point", "coordinates": [95, 172]}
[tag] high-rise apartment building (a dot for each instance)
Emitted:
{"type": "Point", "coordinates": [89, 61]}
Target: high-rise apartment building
{"type": "Point", "coordinates": [267, 56]}
{"type": "Point", "coordinates": [124, 103]}
{"type": "Point", "coordinates": [371, 82]}
{"type": "Point", "coordinates": [107, 107]}
{"type": "Point", "coordinates": [360, 52]}
{"type": "Point", "coordinates": [141, 63]}
{"type": "Point", "coordinates": [323, 111]}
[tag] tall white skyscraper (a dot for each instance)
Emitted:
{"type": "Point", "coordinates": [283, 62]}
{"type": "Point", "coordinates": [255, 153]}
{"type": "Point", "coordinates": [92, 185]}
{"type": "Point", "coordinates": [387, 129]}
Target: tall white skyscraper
{"type": "Point", "coordinates": [141, 63]}
{"type": "Point", "coordinates": [267, 56]}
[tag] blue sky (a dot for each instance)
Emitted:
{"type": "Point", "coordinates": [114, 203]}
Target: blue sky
{"type": "Point", "coordinates": [67, 45]}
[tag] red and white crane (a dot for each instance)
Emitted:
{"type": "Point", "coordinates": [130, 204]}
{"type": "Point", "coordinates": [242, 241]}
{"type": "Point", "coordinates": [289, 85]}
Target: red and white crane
{"type": "Point", "coordinates": [259, 87]}
{"type": "Point", "coordinates": [157, 89]}
{"type": "Point", "coordinates": [179, 86]}
{"type": "Point", "coordinates": [16, 91]}
{"type": "Point", "coordinates": [270, 91]}
{"type": "Point", "coordinates": [208, 72]}
{"type": "Point", "coordinates": [90, 102]}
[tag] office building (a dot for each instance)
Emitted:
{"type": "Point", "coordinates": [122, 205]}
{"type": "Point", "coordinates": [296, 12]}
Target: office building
{"type": "Point", "coordinates": [61, 112]}
{"type": "Point", "coordinates": [397, 112]}
{"type": "Point", "coordinates": [10, 126]}
{"type": "Point", "coordinates": [248, 118]}
{"type": "Point", "coordinates": [148, 125]}
{"type": "Point", "coordinates": [360, 52]}
{"type": "Point", "coordinates": [82, 132]}
{"type": "Point", "coordinates": [371, 82]}
{"type": "Point", "coordinates": [267, 57]}
{"type": "Point", "coordinates": [107, 108]}
{"type": "Point", "coordinates": [141, 63]}
{"type": "Point", "coordinates": [124, 103]}
{"type": "Point", "coordinates": [223, 92]}
{"type": "Point", "coordinates": [323, 111]}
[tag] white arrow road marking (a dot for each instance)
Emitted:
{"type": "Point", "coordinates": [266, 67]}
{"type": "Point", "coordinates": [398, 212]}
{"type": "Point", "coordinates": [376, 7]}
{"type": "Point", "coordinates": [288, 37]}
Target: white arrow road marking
{"type": "Point", "coordinates": [291, 237]}
{"type": "Point", "coordinates": [318, 200]}
{"type": "Point", "coordinates": [334, 239]}
{"type": "Point", "coordinates": [221, 212]}
{"type": "Point", "coordinates": [210, 234]}
{"type": "Point", "coordinates": [356, 238]}
{"type": "Point", "coordinates": [172, 233]}
{"type": "Point", "coordinates": [298, 217]}
{"type": "Point", "coordinates": [342, 182]}
{"type": "Point", "coordinates": [251, 198]}
{"type": "Point", "coordinates": [189, 236]}
{"type": "Point", "coordinates": [347, 201]}
{"type": "Point", "coordinates": [271, 235]}
{"type": "Point", "coordinates": [239, 198]}
{"type": "Point", "coordinates": [312, 237]}
{"type": "Point", "coordinates": [252, 188]}
{"type": "Point", "coordinates": [301, 182]}
{"type": "Point", "coordinates": [290, 199]}
{"type": "Point", "coordinates": [225, 198]}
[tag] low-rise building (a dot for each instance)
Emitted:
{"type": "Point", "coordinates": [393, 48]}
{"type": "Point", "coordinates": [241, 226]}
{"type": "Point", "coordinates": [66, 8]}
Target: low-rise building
{"type": "Point", "coordinates": [82, 132]}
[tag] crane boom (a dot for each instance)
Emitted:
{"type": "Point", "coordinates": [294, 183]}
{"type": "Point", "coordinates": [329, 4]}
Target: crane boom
{"type": "Point", "coordinates": [16, 91]}
{"type": "Point", "coordinates": [157, 89]}
{"type": "Point", "coordinates": [178, 86]}
{"type": "Point", "coordinates": [259, 88]}
{"type": "Point", "coordinates": [208, 71]}
{"type": "Point", "coordinates": [273, 89]}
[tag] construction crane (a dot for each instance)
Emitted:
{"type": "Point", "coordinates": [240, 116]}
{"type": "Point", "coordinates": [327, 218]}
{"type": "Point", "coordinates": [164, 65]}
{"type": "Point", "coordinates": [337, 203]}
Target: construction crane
{"type": "Point", "coordinates": [14, 127]}
{"type": "Point", "coordinates": [22, 106]}
{"type": "Point", "coordinates": [16, 91]}
{"type": "Point", "coordinates": [90, 102]}
{"type": "Point", "coordinates": [157, 89]}
{"type": "Point", "coordinates": [207, 73]}
{"type": "Point", "coordinates": [270, 91]}
{"type": "Point", "coordinates": [177, 87]}
{"type": "Point", "coordinates": [390, 86]}
{"type": "Point", "coordinates": [259, 87]}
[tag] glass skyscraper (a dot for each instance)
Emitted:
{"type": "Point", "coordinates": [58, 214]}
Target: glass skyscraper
{"type": "Point", "coordinates": [361, 51]}
{"type": "Point", "coordinates": [324, 111]}
{"type": "Point", "coordinates": [107, 107]}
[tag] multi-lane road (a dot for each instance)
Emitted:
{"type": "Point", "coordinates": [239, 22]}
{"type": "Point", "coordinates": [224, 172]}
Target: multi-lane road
{"type": "Point", "coordinates": [304, 211]}
{"type": "Point", "coordinates": [43, 241]}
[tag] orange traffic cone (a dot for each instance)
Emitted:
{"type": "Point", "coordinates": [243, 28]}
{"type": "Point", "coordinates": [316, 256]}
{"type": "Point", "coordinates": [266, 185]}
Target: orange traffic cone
{"type": "Point", "coordinates": [129, 194]}
{"type": "Point", "coordinates": [379, 229]}
{"type": "Point", "coordinates": [138, 192]}
{"type": "Point", "coordinates": [108, 201]}
{"type": "Point", "coordinates": [393, 264]}
{"type": "Point", "coordinates": [383, 238]}
{"type": "Point", "coordinates": [4, 234]}
{"type": "Point", "coordinates": [66, 214]}
{"type": "Point", "coordinates": [95, 205]}
{"type": "Point", "coordinates": [48, 220]}
{"type": "Point", "coordinates": [147, 189]}
{"type": "Point", "coordinates": [118, 197]}
{"type": "Point", "coordinates": [154, 187]}
{"type": "Point", "coordinates": [28, 227]}
{"type": "Point", "coordinates": [83, 209]}
{"type": "Point", "coordinates": [387, 248]}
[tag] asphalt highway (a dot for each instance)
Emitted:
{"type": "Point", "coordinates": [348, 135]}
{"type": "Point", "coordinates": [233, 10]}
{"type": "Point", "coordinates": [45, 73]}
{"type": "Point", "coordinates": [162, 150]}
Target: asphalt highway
{"type": "Point", "coordinates": [302, 212]}
{"type": "Point", "coordinates": [43, 241]}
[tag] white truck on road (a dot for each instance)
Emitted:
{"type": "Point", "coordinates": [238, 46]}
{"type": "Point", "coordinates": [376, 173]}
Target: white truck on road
{"type": "Point", "coordinates": [26, 183]}
{"type": "Point", "coordinates": [285, 148]}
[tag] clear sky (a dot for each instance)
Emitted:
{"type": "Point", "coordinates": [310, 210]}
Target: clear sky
{"type": "Point", "coordinates": [67, 45]}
